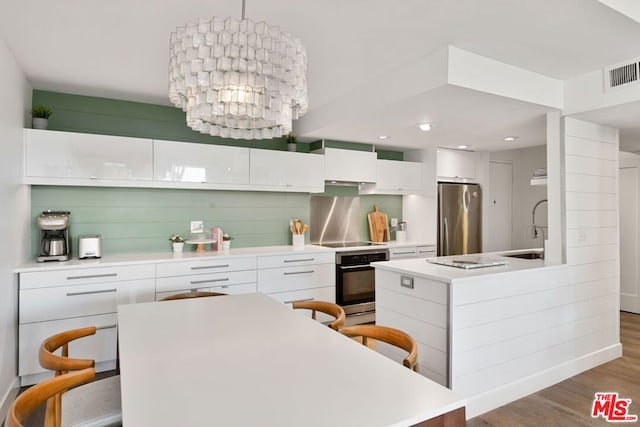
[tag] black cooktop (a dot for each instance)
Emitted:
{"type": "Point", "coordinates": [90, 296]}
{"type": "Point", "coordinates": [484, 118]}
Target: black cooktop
{"type": "Point", "coordinates": [346, 244]}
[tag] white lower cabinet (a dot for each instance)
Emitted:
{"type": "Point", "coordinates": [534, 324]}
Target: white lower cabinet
{"type": "Point", "coordinates": [56, 301]}
{"type": "Point", "coordinates": [423, 251]}
{"type": "Point", "coordinates": [299, 277]}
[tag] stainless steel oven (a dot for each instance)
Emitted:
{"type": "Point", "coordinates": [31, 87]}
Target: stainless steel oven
{"type": "Point", "coordinates": [356, 283]}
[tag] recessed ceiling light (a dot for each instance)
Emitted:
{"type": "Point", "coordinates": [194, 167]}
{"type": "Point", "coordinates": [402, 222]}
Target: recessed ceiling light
{"type": "Point", "coordinates": [384, 137]}
{"type": "Point", "coordinates": [510, 138]}
{"type": "Point", "coordinates": [425, 127]}
{"type": "Point", "coordinates": [462, 147]}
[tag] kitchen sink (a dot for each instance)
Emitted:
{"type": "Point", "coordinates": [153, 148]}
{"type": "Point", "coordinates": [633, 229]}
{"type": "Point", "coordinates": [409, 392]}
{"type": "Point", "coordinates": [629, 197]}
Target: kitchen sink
{"type": "Point", "coordinates": [525, 255]}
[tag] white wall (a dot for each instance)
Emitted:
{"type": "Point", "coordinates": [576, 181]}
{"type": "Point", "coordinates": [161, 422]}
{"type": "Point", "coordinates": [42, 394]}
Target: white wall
{"type": "Point", "coordinates": [14, 211]}
{"type": "Point", "coordinates": [525, 161]}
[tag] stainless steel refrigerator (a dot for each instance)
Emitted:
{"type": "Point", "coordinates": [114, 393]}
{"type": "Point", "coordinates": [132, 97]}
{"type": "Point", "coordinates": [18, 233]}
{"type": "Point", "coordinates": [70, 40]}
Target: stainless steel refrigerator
{"type": "Point", "coordinates": [459, 218]}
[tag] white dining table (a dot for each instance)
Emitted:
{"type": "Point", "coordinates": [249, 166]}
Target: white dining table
{"type": "Point", "coordinates": [248, 360]}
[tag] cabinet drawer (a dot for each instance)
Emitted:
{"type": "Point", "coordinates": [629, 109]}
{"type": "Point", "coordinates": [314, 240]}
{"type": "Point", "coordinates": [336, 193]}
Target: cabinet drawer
{"type": "Point", "coordinates": [43, 279]}
{"type": "Point", "coordinates": [215, 265]}
{"type": "Point", "coordinates": [294, 278]}
{"type": "Point", "coordinates": [327, 293]}
{"type": "Point", "coordinates": [429, 290]}
{"type": "Point", "coordinates": [243, 288]}
{"type": "Point", "coordinates": [196, 281]}
{"type": "Point", "coordinates": [63, 302]}
{"type": "Point", "coordinates": [403, 252]}
{"type": "Point", "coordinates": [100, 347]}
{"type": "Point", "coordinates": [426, 251]}
{"type": "Point", "coordinates": [291, 260]}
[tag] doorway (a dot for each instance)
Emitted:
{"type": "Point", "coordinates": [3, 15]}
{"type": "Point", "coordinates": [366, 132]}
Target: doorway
{"type": "Point", "coordinates": [629, 195]}
{"type": "Point", "coordinates": [500, 221]}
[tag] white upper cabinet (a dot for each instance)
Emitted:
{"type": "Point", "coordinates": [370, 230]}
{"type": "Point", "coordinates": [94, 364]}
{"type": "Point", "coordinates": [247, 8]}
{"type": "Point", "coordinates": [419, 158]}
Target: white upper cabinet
{"type": "Point", "coordinates": [456, 164]}
{"type": "Point", "coordinates": [202, 164]}
{"type": "Point", "coordinates": [86, 159]}
{"type": "Point", "coordinates": [286, 171]}
{"type": "Point", "coordinates": [395, 177]}
{"type": "Point", "coordinates": [349, 165]}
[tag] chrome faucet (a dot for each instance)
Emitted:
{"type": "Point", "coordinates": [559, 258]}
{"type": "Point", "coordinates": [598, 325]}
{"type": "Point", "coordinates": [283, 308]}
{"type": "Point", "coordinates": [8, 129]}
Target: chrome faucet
{"type": "Point", "coordinates": [535, 227]}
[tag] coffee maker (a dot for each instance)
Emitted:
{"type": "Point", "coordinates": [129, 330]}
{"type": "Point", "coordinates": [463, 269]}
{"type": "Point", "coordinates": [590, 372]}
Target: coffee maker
{"type": "Point", "coordinates": [55, 237]}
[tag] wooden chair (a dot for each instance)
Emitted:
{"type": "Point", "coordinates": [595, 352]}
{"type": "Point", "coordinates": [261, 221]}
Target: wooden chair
{"type": "Point", "coordinates": [324, 307]}
{"type": "Point", "coordinates": [33, 397]}
{"type": "Point", "coordinates": [98, 400]}
{"type": "Point", "coordinates": [388, 335]}
{"type": "Point", "coordinates": [192, 294]}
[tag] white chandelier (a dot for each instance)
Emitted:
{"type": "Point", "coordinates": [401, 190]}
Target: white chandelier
{"type": "Point", "coordinates": [238, 79]}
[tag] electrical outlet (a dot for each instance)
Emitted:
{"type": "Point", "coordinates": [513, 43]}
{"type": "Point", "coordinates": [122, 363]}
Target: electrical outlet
{"type": "Point", "coordinates": [394, 222]}
{"type": "Point", "coordinates": [197, 227]}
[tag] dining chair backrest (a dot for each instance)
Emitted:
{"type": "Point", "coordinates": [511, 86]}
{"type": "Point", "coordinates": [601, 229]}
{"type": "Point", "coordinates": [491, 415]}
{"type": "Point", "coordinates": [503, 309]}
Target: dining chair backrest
{"type": "Point", "coordinates": [324, 307]}
{"type": "Point", "coordinates": [29, 400]}
{"type": "Point", "coordinates": [388, 335]}
{"type": "Point", "coordinates": [192, 294]}
{"type": "Point", "coordinates": [62, 363]}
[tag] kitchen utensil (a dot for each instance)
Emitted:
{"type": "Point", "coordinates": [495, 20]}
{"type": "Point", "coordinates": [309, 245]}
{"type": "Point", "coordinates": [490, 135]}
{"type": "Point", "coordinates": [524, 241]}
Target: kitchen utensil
{"type": "Point", "coordinates": [378, 225]}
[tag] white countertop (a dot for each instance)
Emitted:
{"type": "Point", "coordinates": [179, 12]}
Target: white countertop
{"type": "Point", "coordinates": [421, 267]}
{"type": "Point", "coordinates": [155, 257]}
{"type": "Point", "coordinates": [244, 360]}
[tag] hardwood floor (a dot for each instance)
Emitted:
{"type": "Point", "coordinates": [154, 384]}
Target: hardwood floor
{"type": "Point", "coordinates": [569, 403]}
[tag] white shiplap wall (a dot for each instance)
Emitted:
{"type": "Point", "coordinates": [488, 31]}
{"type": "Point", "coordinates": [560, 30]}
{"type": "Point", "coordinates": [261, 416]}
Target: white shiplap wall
{"type": "Point", "coordinates": [515, 334]}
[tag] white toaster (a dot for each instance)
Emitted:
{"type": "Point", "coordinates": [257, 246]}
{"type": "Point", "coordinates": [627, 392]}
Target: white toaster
{"type": "Point", "coordinates": [89, 246]}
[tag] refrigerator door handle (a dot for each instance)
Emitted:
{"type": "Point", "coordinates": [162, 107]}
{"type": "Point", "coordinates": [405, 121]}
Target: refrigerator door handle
{"type": "Point", "coordinates": [446, 237]}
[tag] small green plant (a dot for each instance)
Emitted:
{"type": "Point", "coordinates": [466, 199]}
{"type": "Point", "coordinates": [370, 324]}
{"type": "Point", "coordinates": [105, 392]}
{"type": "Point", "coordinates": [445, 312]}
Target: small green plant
{"type": "Point", "coordinates": [176, 238]}
{"type": "Point", "coordinates": [41, 112]}
{"type": "Point", "coordinates": [226, 237]}
{"type": "Point", "coordinates": [291, 138]}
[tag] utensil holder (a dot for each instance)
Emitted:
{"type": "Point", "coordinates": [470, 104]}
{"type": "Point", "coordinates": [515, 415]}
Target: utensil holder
{"type": "Point", "coordinates": [297, 240]}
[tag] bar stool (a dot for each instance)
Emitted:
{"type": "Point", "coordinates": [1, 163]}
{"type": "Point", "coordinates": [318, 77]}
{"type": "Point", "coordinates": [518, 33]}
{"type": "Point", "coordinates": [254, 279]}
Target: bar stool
{"type": "Point", "coordinates": [324, 307]}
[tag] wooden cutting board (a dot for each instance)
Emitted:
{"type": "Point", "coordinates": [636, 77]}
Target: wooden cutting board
{"type": "Point", "coordinates": [378, 225]}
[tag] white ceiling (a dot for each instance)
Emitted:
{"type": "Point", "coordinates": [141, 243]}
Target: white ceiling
{"type": "Point", "coordinates": [119, 49]}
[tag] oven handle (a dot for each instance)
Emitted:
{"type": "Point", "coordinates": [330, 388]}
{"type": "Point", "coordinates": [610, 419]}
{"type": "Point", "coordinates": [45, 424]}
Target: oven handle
{"type": "Point", "coordinates": [351, 267]}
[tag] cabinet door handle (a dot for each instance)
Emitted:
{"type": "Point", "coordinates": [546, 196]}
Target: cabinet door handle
{"type": "Point", "coordinates": [106, 327]}
{"type": "Point", "coordinates": [198, 282]}
{"type": "Point", "coordinates": [299, 260]}
{"type": "Point", "coordinates": [287, 273]}
{"type": "Point", "coordinates": [101, 291]}
{"type": "Point", "coordinates": [93, 177]}
{"type": "Point", "coordinates": [204, 267]}
{"type": "Point", "coordinates": [92, 276]}
{"type": "Point", "coordinates": [403, 253]}
{"type": "Point", "coordinates": [299, 300]}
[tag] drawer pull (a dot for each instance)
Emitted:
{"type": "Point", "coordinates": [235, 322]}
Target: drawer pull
{"type": "Point", "coordinates": [403, 253]}
{"type": "Point", "coordinates": [106, 327]}
{"type": "Point", "coordinates": [299, 300]}
{"type": "Point", "coordinates": [288, 273]}
{"type": "Point", "coordinates": [224, 286]}
{"type": "Point", "coordinates": [101, 291]}
{"type": "Point", "coordinates": [204, 267]}
{"type": "Point", "coordinates": [93, 177]}
{"type": "Point", "coordinates": [198, 282]}
{"type": "Point", "coordinates": [92, 276]}
{"type": "Point", "coordinates": [299, 260]}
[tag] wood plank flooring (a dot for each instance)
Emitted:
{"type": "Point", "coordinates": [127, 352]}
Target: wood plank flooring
{"type": "Point", "coordinates": [568, 403]}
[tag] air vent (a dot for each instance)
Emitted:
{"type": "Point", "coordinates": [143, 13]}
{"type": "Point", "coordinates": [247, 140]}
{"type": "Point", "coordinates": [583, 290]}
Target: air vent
{"type": "Point", "coordinates": [621, 75]}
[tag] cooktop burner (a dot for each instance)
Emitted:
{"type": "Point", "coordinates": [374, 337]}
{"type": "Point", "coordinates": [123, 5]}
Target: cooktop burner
{"type": "Point", "coordinates": [346, 244]}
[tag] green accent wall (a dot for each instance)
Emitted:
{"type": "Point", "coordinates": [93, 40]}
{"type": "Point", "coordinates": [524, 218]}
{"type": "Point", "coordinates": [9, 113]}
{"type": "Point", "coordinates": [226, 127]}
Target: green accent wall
{"type": "Point", "coordinates": [142, 219]}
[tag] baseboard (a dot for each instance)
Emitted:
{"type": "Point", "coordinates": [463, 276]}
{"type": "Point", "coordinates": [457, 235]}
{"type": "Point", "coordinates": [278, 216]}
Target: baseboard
{"type": "Point", "coordinates": [487, 401]}
{"type": "Point", "coordinates": [8, 398]}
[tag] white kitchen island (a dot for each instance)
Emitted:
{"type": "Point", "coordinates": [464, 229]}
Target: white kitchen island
{"type": "Point", "coordinates": [247, 360]}
{"type": "Point", "coordinates": [498, 333]}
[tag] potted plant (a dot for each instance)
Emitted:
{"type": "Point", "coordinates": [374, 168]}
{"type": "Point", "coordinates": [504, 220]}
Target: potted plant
{"type": "Point", "coordinates": [226, 242]}
{"type": "Point", "coordinates": [40, 116]}
{"type": "Point", "coordinates": [291, 142]}
{"type": "Point", "coordinates": [177, 243]}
